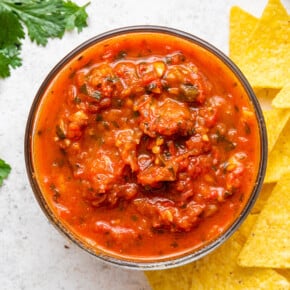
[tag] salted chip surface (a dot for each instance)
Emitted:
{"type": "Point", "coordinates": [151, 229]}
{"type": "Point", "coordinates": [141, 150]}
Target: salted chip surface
{"type": "Point", "coordinates": [266, 96]}
{"type": "Point", "coordinates": [171, 279]}
{"type": "Point", "coordinates": [285, 273]}
{"type": "Point", "coordinates": [282, 100]}
{"type": "Point", "coordinates": [279, 157]}
{"type": "Point", "coordinates": [276, 120]}
{"type": "Point", "coordinates": [267, 60]}
{"type": "Point", "coordinates": [268, 244]}
{"type": "Point", "coordinates": [246, 228]}
{"type": "Point", "coordinates": [263, 197]}
{"type": "Point", "coordinates": [242, 25]}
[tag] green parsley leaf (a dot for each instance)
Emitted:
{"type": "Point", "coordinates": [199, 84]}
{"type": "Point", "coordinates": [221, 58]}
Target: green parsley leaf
{"type": "Point", "coordinates": [43, 19]}
{"type": "Point", "coordinates": [4, 170]}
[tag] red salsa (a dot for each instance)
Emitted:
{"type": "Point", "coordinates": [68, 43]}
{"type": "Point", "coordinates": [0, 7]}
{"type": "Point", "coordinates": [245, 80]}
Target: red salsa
{"type": "Point", "coordinates": [146, 146]}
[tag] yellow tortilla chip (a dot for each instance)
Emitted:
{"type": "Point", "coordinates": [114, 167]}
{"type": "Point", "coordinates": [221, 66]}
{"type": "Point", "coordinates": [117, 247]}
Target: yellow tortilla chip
{"type": "Point", "coordinates": [267, 60]}
{"type": "Point", "coordinates": [276, 120]}
{"type": "Point", "coordinates": [285, 273]}
{"type": "Point", "coordinates": [282, 100]}
{"type": "Point", "coordinates": [269, 242]}
{"type": "Point", "coordinates": [220, 270]}
{"type": "Point", "coordinates": [263, 197]}
{"type": "Point", "coordinates": [171, 279]}
{"type": "Point", "coordinates": [279, 157]}
{"type": "Point", "coordinates": [242, 24]}
{"type": "Point", "coordinates": [246, 227]}
{"type": "Point", "coordinates": [266, 96]}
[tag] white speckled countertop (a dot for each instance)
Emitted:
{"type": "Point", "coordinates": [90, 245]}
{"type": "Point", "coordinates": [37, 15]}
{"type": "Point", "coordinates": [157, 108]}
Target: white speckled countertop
{"type": "Point", "coordinates": [33, 255]}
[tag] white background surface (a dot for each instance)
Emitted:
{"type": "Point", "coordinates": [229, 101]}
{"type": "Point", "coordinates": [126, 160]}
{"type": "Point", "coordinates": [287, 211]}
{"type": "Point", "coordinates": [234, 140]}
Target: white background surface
{"type": "Point", "coordinates": [32, 252]}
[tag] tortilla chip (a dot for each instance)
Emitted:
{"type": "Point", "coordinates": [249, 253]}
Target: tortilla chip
{"type": "Point", "coordinates": [242, 24]}
{"type": "Point", "coordinates": [279, 157]}
{"type": "Point", "coordinates": [285, 273]}
{"type": "Point", "coordinates": [267, 60]}
{"type": "Point", "coordinates": [266, 96]}
{"type": "Point", "coordinates": [263, 197]}
{"type": "Point", "coordinates": [171, 279]}
{"type": "Point", "coordinates": [276, 120]}
{"type": "Point", "coordinates": [246, 227]}
{"type": "Point", "coordinates": [269, 242]}
{"type": "Point", "coordinates": [282, 100]}
{"type": "Point", "coordinates": [220, 270]}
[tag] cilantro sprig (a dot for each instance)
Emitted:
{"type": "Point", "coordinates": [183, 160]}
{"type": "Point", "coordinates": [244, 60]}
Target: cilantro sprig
{"type": "Point", "coordinates": [4, 170]}
{"type": "Point", "coordinates": [43, 19]}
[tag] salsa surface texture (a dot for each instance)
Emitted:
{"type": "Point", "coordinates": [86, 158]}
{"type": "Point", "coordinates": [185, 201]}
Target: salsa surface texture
{"type": "Point", "coordinates": [146, 146]}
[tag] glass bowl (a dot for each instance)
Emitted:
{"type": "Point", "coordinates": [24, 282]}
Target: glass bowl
{"type": "Point", "coordinates": [214, 59]}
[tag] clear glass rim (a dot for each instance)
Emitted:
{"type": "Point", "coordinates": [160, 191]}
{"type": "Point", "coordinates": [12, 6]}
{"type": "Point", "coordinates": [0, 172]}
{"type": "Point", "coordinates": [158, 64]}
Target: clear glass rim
{"type": "Point", "coordinates": [130, 263]}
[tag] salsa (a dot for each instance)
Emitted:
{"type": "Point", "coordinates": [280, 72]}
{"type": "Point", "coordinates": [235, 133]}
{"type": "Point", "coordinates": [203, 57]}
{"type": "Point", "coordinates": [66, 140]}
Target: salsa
{"type": "Point", "coordinates": [146, 146]}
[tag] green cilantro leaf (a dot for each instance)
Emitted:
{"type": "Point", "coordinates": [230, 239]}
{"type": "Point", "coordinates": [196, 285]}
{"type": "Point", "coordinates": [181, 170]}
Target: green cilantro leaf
{"type": "Point", "coordinates": [9, 57]}
{"type": "Point", "coordinates": [75, 16]}
{"type": "Point", "coordinates": [4, 170]}
{"type": "Point", "coordinates": [14, 33]}
{"type": "Point", "coordinates": [11, 33]}
{"type": "Point", "coordinates": [43, 19]}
